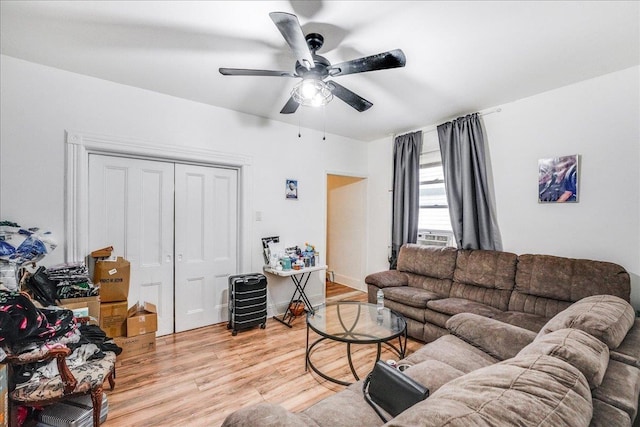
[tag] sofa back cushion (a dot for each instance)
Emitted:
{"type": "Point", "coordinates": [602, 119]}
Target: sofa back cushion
{"type": "Point", "coordinates": [546, 285]}
{"type": "Point", "coordinates": [606, 317]}
{"type": "Point", "coordinates": [539, 306]}
{"type": "Point", "coordinates": [569, 279]}
{"type": "Point", "coordinates": [484, 276]}
{"type": "Point", "coordinates": [528, 390]}
{"type": "Point", "coordinates": [428, 267]}
{"type": "Point", "coordinates": [576, 347]}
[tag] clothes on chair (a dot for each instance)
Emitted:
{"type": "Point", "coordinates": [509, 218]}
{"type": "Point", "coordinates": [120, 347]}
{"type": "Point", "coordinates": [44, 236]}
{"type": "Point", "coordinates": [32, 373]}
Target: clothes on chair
{"type": "Point", "coordinates": [22, 323]}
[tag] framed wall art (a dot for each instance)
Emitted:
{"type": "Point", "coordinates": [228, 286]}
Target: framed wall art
{"type": "Point", "coordinates": [558, 179]}
{"type": "Point", "coordinates": [291, 189]}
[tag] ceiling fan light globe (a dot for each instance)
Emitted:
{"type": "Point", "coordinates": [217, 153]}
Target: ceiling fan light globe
{"type": "Point", "coordinates": [312, 93]}
{"type": "Point", "coordinates": [308, 90]}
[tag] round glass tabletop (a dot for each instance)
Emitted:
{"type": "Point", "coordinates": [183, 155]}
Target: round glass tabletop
{"type": "Point", "coordinates": [356, 322]}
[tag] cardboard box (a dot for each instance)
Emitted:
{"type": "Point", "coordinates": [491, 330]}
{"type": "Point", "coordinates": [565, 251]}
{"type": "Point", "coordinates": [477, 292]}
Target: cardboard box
{"type": "Point", "coordinates": [135, 346]}
{"type": "Point", "coordinates": [79, 306]}
{"type": "Point", "coordinates": [142, 319]}
{"type": "Point", "coordinates": [113, 318]}
{"type": "Point", "coordinates": [103, 252]}
{"type": "Point", "coordinates": [113, 279]}
{"type": "Point", "coordinates": [4, 395]}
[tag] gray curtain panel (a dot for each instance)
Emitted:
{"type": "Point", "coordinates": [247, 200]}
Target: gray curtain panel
{"type": "Point", "coordinates": [406, 192]}
{"type": "Point", "coordinates": [465, 180]}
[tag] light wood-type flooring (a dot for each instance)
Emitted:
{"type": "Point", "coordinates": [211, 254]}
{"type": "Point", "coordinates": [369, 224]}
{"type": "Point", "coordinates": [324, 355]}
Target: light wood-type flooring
{"type": "Point", "coordinates": [197, 378]}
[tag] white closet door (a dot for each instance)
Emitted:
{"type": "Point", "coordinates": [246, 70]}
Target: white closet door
{"type": "Point", "coordinates": [206, 236]}
{"type": "Point", "coordinates": [131, 209]}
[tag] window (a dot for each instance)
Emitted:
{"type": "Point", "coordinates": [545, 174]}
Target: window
{"type": "Point", "coordinates": [434, 210]}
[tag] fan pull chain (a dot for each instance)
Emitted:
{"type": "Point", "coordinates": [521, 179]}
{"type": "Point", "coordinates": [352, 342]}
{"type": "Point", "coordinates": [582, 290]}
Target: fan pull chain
{"type": "Point", "coordinates": [324, 123]}
{"type": "Point", "coordinates": [298, 125]}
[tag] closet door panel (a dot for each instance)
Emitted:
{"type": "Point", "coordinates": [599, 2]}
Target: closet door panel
{"type": "Point", "coordinates": [206, 243]}
{"type": "Point", "coordinates": [131, 209]}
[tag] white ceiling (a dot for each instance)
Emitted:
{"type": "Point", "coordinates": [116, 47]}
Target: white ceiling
{"type": "Point", "coordinates": [461, 56]}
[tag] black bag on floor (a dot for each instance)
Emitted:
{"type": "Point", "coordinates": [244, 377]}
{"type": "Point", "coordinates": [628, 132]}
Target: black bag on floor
{"type": "Point", "coordinates": [390, 389]}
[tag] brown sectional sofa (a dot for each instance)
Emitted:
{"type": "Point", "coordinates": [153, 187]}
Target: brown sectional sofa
{"type": "Point", "coordinates": [432, 284]}
{"type": "Point", "coordinates": [486, 372]}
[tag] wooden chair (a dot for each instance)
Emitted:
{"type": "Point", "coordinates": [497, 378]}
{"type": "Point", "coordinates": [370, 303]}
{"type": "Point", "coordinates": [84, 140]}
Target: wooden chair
{"type": "Point", "coordinates": [87, 378]}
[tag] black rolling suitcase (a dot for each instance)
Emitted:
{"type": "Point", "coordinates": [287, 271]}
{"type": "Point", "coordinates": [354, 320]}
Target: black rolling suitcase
{"type": "Point", "coordinates": [247, 301]}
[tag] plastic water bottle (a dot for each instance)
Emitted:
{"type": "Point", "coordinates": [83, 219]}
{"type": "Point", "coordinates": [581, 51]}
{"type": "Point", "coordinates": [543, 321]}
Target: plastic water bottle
{"type": "Point", "coordinates": [380, 299]}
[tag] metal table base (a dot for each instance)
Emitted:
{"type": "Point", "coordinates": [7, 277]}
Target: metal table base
{"type": "Point", "coordinates": [300, 279]}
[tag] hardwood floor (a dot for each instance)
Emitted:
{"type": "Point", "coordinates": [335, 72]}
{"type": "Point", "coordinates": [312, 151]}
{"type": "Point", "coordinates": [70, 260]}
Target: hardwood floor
{"type": "Point", "coordinates": [197, 378]}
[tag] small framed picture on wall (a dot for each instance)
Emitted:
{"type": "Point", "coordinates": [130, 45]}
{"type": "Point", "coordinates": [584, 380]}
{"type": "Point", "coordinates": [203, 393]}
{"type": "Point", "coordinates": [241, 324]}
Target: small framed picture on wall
{"type": "Point", "coordinates": [291, 189]}
{"type": "Point", "coordinates": [558, 179]}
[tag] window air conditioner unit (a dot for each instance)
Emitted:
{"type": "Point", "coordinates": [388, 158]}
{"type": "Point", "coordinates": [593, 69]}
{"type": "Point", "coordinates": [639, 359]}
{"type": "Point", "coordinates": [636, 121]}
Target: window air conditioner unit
{"type": "Point", "coordinates": [435, 239]}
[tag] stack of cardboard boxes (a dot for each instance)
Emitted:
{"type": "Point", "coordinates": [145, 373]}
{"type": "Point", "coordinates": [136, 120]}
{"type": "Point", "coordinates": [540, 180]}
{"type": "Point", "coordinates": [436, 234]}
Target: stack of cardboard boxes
{"type": "Point", "coordinates": [133, 329]}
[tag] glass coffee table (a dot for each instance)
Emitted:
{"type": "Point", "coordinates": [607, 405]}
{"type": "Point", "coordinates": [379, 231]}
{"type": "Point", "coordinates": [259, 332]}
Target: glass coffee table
{"type": "Point", "coordinates": [354, 322]}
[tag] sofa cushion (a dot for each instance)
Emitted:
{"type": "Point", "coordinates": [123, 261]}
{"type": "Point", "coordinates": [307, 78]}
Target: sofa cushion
{"type": "Point", "coordinates": [606, 317]}
{"type": "Point", "coordinates": [488, 269]}
{"type": "Point", "coordinates": [406, 310]}
{"type": "Point", "coordinates": [575, 347]}
{"type": "Point", "coordinates": [454, 352]}
{"type": "Point", "coordinates": [500, 340]}
{"type": "Point", "coordinates": [605, 415]}
{"type": "Point", "coordinates": [433, 374]}
{"type": "Point", "coordinates": [538, 306]}
{"type": "Point", "coordinates": [413, 297]}
{"type": "Point", "coordinates": [497, 298]}
{"type": "Point", "coordinates": [531, 322]}
{"type": "Point", "coordinates": [570, 279]}
{"type": "Point", "coordinates": [435, 317]}
{"type": "Point", "coordinates": [269, 415]}
{"type": "Point", "coordinates": [428, 268]}
{"type": "Point", "coordinates": [427, 260]}
{"type": "Point", "coordinates": [529, 390]}
{"type": "Point", "coordinates": [432, 332]}
{"type": "Point", "coordinates": [620, 387]}
{"type": "Point", "coordinates": [629, 350]}
{"type": "Point", "coordinates": [346, 408]}
{"type": "Point", "coordinates": [453, 306]}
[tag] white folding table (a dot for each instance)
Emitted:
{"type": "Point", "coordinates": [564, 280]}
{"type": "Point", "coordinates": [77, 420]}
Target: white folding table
{"type": "Point", "coordinates": [300, 278]}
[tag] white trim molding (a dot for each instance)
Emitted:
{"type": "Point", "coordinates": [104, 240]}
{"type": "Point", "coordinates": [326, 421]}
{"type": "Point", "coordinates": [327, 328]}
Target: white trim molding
{"type": "Point", "coordinates": [79, 145]}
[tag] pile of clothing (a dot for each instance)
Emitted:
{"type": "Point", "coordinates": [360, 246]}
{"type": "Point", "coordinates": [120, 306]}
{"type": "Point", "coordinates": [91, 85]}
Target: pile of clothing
{"type": "Point", "coordinates": [72, 280]}
{"type": "Point", "coordinates": [25, 328]}
{"type": "Point", "coordinates": [18, 247]}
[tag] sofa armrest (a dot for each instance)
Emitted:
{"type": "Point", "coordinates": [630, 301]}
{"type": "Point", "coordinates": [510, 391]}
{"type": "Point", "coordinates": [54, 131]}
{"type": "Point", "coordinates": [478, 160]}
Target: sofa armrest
{"type": "Point", "coordinates": [498, 339]}
{"type": "Point", "coordinates": [387, 279]}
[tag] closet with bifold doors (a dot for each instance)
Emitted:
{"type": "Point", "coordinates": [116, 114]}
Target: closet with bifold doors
{"type": "Point", "coordinates": [177, 225]}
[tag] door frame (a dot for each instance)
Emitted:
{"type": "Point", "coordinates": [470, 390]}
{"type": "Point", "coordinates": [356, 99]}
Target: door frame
{"type": "Point", "coordinates": [79, 145]}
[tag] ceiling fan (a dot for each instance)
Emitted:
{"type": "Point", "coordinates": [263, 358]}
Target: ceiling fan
{"type": "Point", "coordinates": [313, 69]}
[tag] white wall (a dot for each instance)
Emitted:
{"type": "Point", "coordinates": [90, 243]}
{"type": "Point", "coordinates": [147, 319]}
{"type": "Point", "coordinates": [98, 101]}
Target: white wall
{"type": "Point", "coordinates": [599, 119]}
{"type": "Point", "coordinates": [380, 156]}
{"type": "Point", "coordinates": [39, 103]}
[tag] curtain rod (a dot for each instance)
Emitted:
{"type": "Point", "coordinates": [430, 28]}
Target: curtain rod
{"type": "Point", "coordinates": [434, 128]}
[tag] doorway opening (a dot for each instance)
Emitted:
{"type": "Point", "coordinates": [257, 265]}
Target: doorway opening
{"type": "Point", "coordinates": [346, 230]}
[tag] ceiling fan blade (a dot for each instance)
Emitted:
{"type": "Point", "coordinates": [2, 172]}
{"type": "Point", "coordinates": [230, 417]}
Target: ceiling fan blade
{"type": "Point", "coordinates": [245, 72]}
{"type": "Point", "coordinates": [356, 101]}
{"type": "Point", "coordinates": [290, 107]}
{"type": "Point", "coordinates": [392, 59]}
{"type": "Point", "coordinates": [291, 30]}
